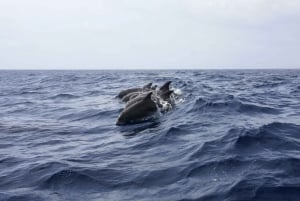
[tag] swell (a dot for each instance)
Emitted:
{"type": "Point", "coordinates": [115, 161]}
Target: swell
{"type": "Point", "coordinates": [234, 105]}
{"type": "Point", "coordinates": [62, 176]}
{"type": "Point", "coordinates": [258, 161]}
{"type": "Point", "coordinates": [276, 136]}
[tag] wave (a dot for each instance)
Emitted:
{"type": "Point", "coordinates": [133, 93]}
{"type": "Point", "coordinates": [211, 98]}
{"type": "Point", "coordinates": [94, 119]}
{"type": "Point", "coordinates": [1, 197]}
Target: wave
{"type": "Point", "coordinates": [270, 84]}
{"type": "Point", "coordinates": [10, 128]}
{"type": "Point", "coordinates": [251, 164]}
{"type": "Point", "coordinates": [64, 96]}
{"type": "Point", "coordinates": [94, 93]}
{"type": "Point", "coordinates": [276, 136]}
{"type": "Point", "coordinates": [75, 179]}
{"type": "Point", "coordinates": [27, 103]}
{"type": "Point", "coordinates": [21, 196]}
{"type": "Point", "coordinates": [21, 93]}
{"type": "Point", "coordinates": [30, 93]}
{"type": "Point", "coordinates": [88, 115]}
{"type": "Point", "coordinates": [234, 105]}
{"type": "Point", "coordinates": [261, 188]}
{"type": "Point", "coordinates": [296, 90]}
{"type": "Point", "coordinates": [53, 175]}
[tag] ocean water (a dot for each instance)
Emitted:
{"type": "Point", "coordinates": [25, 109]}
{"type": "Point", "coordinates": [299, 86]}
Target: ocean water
{"type": "Point", "coordinates": [234, 137]}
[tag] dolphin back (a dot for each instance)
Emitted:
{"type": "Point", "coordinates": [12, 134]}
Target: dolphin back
{"type": "Point", "coordinates": [135, 112]}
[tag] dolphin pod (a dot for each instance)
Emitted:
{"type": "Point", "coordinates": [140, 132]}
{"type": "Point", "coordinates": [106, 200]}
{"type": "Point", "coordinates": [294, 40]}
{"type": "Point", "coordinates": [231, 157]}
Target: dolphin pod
{"type": "Point", "coordinates": [141, 103]}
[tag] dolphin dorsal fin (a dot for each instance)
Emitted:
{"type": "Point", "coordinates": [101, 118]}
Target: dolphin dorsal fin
{"type": "Point", "coordinates": [148, 96]}
{"type": "Point", "coordinates": [147, 86]}
{"type": "Point", "coordinates": [165, 86]}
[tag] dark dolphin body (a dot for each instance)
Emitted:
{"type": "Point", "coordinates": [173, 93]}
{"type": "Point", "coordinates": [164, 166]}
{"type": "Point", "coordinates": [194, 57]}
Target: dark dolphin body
{"type": "Point", "coordinates": [128, 91]}
{"type": "Point", "coordinates": [138, 110]}
{"type": "Point", "coordinates": [137, 98]}
{"type": "Point", "coordinates": [166, 95]}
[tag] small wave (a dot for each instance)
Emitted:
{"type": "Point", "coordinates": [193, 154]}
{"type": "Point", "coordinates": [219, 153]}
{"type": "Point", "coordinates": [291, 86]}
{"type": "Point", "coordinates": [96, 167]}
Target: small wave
{"type": "Point", "coordinates": [30, 93]}
{"type": "Point", "coordinates": [176, 131]}
{"type": "Point", "coordinates": [21, 128]}
{"type": "Point", "coordinates": [9, 161]}
{"type": "Point", "coordinates": [134, 129]}
{"type": "Point", "coordinates": [64, 96]}
{"type": "Point", "coordinates": [98, 129]}
{"type": "Point", "coordinates": [243, 178]}
{"type": "Point", "coordinates": [94, 93]}
{"type": "Point", "coordinates": [88, 114]}
{"type": "Point", "coordinates": [21, 197]}
{"type": "Point", "coordinates": [159, 178]}
{"type": "Point", "coordinates": [231, 106]}
{"type": "Point", "coordinates": [296, 90]}
{"type": "Point", "coordinates": [229, 164]}
{"type": "Point", "coordinates": [68, 178]}
{"type": "Point", "coordinates": [263, 187]}
{"type": "Point", "coordinates": [275, 136]}
{"type": "Point", "coordinates": [85, 179]}
{"type": "Point", "coordinates": [18, 103]}
{"type": "Point", "coordinates": [269, 84]}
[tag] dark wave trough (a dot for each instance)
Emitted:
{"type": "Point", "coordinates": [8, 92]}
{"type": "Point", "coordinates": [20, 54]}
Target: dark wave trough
{"type": "Point", "coordinates": [234, 136]}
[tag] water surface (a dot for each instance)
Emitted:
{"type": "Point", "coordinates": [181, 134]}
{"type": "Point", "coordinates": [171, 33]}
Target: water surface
{"type": "Point", "coordinates": [235, 137]}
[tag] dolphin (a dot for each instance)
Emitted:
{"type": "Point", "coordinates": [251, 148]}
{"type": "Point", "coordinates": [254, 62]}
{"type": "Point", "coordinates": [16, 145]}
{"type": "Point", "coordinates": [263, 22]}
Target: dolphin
{"type": "Point", "coordinates": [137, 111]}
{"type": "Point", "coordinates": [155, 97]}
{"type": "Point", "coordinates": [137, 98]}
{"type": "Point", "coordinates": [166, 95]}
{"type": "Point", "coordinates": [128, 91]}
{"type": "Point", "coordinates": [147, 86]}
{"type": "Point", "coordinates": [165, 87]}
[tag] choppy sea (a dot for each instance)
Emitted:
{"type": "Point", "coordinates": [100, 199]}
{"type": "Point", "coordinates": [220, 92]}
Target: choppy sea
{"type": "Point", "coordinates": [234, 137]}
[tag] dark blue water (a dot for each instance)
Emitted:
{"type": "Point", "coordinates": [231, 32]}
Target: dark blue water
{"type": "Point", "coordinates": [235, 137]}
